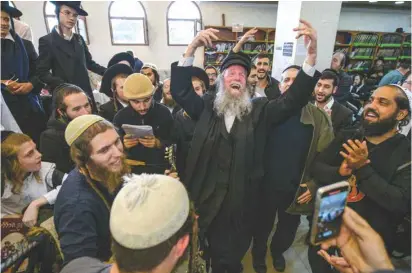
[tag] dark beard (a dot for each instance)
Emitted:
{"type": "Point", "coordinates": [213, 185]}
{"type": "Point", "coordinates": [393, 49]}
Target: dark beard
{"type": "Point", "coordinates": [169, 103]}
{"type": "Point", "coordinates": [326, 98]}
{"type": "Point", "coordinates": [378, 128]}
{"type": "Point", "coordinates": [110, 180]}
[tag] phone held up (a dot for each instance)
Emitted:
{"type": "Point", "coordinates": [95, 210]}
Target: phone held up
{"type": "Point", "coordinates": [329, 207]}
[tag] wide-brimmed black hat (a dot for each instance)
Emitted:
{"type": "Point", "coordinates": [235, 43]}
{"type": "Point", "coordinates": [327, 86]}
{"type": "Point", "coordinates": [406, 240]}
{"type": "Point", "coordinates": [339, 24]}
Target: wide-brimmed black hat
{"type": "Point", "coordinates": [13, 12]}
{"type": "Point", "coordinates": [239, 58]}
{"type": "Point", "coordinates": [110, 73]}
{"type": "Point", "coordinates": [201, 74]}
{"type": "Point", "coordinates": [5, 134]}
{"type": "Point", "coordinates": [72, 4]}
{"type": "Point", "coordinates": [122, 56]}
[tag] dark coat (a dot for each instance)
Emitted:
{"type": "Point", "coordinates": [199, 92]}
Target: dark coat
{"type": "Point", "coordinates": [81, 218]}
{"type": "Point", "coordinates": [161, 120]}
{"type": "Point", "coordinates": [248, 151]}
{"type": "Point", "coordinates": [272, 89]}
{"type": "Point", "coordinates": [53, 146]}
{"type": "Point", "coordinates": [30, 121]}
{"type": "Point", "coordinates": [343, 92]}
{"type": "Point", "coordinates": [108, 110]}
{"type": "Point", "coordinates": [341, 117]}
{"type": "Point", "coordinates": [68, 62]}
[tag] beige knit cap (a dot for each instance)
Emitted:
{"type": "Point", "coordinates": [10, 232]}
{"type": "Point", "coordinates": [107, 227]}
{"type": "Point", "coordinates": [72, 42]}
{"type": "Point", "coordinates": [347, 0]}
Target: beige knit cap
{"type": "Point", "coordinates": [137, 86]}
{"type": "Point", "coordinates": [148, 210]}
{"type": "Point", "coordinates": [77, 127]}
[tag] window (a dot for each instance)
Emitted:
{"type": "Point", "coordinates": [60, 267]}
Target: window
{"type": "Point", "coordinates": [51, 21]}
{"type": "Point", "coordinates": [184, 21]}
{"type": "Point", "coordinates": [12, 4]}
{"type": "Point", "coordinates": [128, 24]}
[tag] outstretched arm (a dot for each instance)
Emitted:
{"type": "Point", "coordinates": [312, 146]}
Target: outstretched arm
{"type": "Point", "coordinates": [244, 39]}
{"type": "Point", "coordinates": [299, 93]}
{"type": "Point", "coordinates": [181, 76]}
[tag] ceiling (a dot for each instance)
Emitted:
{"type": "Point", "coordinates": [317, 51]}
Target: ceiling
{"type": "Point", "coordinates": [352, 4]}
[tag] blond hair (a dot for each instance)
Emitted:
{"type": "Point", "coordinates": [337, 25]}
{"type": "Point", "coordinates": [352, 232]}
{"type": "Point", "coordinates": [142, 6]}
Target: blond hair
{"type": "Point", "coordinates": [11, 169]}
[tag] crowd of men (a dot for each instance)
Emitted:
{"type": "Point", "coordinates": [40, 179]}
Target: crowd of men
{"type": "Point", "coordinates": [248, 148]}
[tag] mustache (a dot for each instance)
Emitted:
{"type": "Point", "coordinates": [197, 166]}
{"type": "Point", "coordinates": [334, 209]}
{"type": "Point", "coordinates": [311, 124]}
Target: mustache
{"type": "Point", "coordinates": [261, 71]}
{"type": "Point", "coordinates": [371, 111]}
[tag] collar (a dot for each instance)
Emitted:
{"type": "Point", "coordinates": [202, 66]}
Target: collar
{"type": "Point", "coordinates": [9, 37]}
{"type": "Point", "coordinates": [122, 103]}
{"type": "Point", "coordinates": [67, 38]}
{"type": "Point", "coordinates": [329, 105]}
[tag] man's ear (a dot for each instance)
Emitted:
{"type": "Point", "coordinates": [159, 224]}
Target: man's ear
{"type": "Point", "coordinates": [60, 112]}
{"type": "Point", "coordinates": [334, 89]}
{"type": "Point", "coordinates": [402, 115]}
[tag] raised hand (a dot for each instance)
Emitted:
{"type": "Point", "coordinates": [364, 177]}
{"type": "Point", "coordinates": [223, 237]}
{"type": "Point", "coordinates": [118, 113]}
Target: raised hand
{"type": "Point", "coordinates": [203, 38]}
{"type": "Point", "coordinates": [357, 154]}
{"type": "Point", "coordinates": [310, 40]}
{"type": "Point", "coordinates": [250, 33]}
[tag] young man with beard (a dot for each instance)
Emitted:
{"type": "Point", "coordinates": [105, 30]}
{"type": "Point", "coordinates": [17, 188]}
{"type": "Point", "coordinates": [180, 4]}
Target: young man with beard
{"type": "Point", "coordinates": [112, 85]}
{"type": "Point", "coordinates": [151, 222]}
{"type": "Point", "coordinates": [71, 102]}
{"type": "Point", "coordinates": [252, 81]}
{"type": "Point", "coordinates": [82, 208]}
{"type": "Point", "coordinates": [266, 86]}
{"type": "Point", "coordinates": [144, 110]}
{"type": "Point", "coordinates": [212, 74]}
{"type": "Point", "coordinates": [167, 99]}
{"type": "Point", "coordinates": [150, 70]}
{"type": "Point", "coordinates": [287, 189]}
{"type": "Point", "coordinates": [327, 85]}
{"type": "Point", "coordinates": [224, 165]}
{"type": "Point", "coordinates": [375, 158]}
{"type": "Point", "coordinates": [340, 60]}
{"type": "Point", "coordinates": [63, 54]}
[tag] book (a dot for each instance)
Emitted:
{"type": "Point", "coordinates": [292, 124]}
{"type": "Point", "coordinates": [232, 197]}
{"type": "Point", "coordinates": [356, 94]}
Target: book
{"type": "Point", "coordinates": [138, 131]}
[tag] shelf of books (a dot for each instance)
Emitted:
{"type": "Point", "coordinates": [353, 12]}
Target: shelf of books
{"type": "Point", "coordinates": [263, 42]}
{"type": "Point", "coordinates": [365, 48]}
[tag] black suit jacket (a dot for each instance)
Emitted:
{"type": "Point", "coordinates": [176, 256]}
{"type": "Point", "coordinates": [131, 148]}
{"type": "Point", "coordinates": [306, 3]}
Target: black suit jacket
{"type": "Point", "coordinates": [68, 62]}
{"type": "Point", "coordinates": [108, 110]}
{"type": "Point", "coordinates": [341, 117]}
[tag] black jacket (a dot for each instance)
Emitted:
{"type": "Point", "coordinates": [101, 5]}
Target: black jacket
{"type": "Point", "coordinates": [108, 110]}
{"type": "Point", "coordinates": [345, 82]}
{"type": "Point", "coordinates": [341, 117]}
{"type": "Point", "coordinates": [385, 182]}
{"type": "Point", "coordinates": [53, 146]}
{"type": "Point", "coordinates": [272, 89]}
{"type": "Point", "coordinates": [68, 62]}
{"type": "Point", "coordinates": [31, 121]}
{"type": "Point", "coordinates": [161, 120]}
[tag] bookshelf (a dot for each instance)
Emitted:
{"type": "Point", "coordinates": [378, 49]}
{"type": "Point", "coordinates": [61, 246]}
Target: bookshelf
{"type": "Point", "coordinates": [264, 42]}
{"type": "Point", "coordinates": [365, 48]}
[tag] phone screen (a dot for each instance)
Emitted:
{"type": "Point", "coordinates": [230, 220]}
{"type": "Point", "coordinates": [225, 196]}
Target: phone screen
{"type": "Point", "coordinates": [329, 219]}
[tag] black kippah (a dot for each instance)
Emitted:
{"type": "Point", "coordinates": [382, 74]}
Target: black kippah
{"type": "Point", "coordinates": [239, 58]}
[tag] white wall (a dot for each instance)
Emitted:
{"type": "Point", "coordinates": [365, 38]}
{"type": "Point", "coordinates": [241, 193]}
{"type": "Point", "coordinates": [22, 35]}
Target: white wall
{"type": "Point", "coordinates": [160, 53]}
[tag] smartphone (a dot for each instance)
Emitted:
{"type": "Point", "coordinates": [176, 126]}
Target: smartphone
{"type": "Point", "coordinates": [329, 207]}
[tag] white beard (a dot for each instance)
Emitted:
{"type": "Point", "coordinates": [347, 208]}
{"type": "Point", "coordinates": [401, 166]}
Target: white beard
{"type": "Point", "coordinates": [226, 103]}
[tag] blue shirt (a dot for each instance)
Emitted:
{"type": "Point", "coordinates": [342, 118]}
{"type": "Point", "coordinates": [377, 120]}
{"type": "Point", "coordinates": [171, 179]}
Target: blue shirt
{"type": "Point", "coordinates": [393, 77]}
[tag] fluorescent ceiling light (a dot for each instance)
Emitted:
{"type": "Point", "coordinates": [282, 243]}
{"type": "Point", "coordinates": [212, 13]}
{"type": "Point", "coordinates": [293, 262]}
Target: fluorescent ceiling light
{"type": "Point", "coordinates": [373, 1]}
{"type": "Point", "coordinates": [399, 2]}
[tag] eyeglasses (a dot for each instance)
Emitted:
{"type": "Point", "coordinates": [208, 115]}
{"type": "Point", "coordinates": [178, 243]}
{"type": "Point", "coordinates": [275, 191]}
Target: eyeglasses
{"type": "Point", "coordinates": [211, 74]}
{"type": "Point", "coordinates": [69, 14]}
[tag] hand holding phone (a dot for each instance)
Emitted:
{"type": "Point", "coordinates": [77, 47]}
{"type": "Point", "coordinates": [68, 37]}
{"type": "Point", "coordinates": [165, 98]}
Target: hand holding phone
{"type": "Point", "coordinates": [329, 207]}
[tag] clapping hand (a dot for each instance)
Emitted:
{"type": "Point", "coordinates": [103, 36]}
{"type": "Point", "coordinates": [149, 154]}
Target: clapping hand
{"type": "Point", "coordinates": [357, 154]}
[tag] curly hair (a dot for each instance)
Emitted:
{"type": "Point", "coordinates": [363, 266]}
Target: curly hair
{"type": "Point", "coordinates": [11, 170]}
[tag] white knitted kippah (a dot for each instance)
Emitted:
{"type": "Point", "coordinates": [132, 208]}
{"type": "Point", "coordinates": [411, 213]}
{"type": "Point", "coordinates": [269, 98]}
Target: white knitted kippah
{"type": "Point", "coordinates": [148, 210]}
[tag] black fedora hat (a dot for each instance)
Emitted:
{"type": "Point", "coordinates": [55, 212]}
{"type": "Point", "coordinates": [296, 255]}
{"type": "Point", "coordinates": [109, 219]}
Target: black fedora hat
{"type": "Point", "coordinates": [201, 74]}
{"type": "Point", "coordinates": [72, 4]}
{"type": "Point", "coordinates": [110, 73]}
{"type": "Point", "coordinates": [238, 58]}
{"type": "Point", "coordinates": [122, 56]}
{"type": "Point", "coordinates": [13, 12]}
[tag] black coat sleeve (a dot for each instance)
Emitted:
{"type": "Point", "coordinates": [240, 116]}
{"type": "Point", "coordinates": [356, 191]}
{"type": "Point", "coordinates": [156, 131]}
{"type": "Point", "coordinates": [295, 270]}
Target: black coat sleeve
{"type": "Point", "coordinates": [44, 65]}
{"type": "Point", "coordinates": [92, 65]}
{"type": "Point", "coordinates": [183, 92]}
{"type": "Point", "coordinates": [395, 193]}
{"type": "Point", "coordinates": [32, 54]}
{"type": "Point", "coordinates": [294, 99]}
